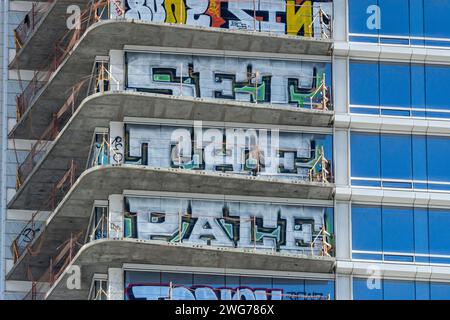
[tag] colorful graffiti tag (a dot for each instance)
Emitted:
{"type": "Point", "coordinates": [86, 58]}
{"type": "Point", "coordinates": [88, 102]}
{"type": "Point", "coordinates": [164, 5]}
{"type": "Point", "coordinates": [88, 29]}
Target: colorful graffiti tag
{"type": "Point", "coordinates": [141, 285]}
{"type": "Point", "coordinates": [262, 226]}
{"type": "Point", "coordinates": [286, 155]}
{"type": "Point", "coordinates": [293, 17]}
{"type": "Point", "coordinates": [293, 83]}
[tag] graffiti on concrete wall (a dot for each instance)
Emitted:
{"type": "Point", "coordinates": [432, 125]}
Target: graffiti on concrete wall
{"type": "Point", "coordinates": [293, 17]}
{"type": "Point", "coordinates": [264, 226]}
{"type": "Point", "coordinates": [286, 155]}
{"type": "Point", "coordinates": [141, 285]}
{"type": "Point", "coordinates": [293, 83]}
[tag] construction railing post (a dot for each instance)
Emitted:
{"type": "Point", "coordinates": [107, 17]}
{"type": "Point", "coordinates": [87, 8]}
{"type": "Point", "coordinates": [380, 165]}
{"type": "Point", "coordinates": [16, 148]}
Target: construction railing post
{"type": "Point", "coordinates": [50, 271]}
{"type": "Point", "coordinates": [324, 93]}
{"type": "Point", "coordinates": [254, 233]}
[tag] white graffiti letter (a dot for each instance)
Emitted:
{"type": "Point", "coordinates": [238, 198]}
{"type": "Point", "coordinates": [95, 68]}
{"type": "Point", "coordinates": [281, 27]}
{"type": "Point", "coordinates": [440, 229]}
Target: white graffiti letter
{"type": "Point", "coordinates": [74, 278]}
{"type": "Point", "coordinates": [374, 20]}
{"type": "Point", "coordinates": [138, 10]}
{"type": "Point", "coordinates": [197, 8]}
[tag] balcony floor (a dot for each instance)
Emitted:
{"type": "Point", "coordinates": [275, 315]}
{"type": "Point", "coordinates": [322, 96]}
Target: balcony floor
{"type": "Point", "coordinates": [114, 34]}
{"type": "Point", "coordinates": [100, 255]}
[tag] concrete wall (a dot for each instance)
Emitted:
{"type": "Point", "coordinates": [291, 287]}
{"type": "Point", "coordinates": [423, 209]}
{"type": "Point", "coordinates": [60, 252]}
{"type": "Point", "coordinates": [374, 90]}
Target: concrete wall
{"type": "Point", "coordinates": [282, 82]}
{"type": "Point", "coordinates": [275, 17]}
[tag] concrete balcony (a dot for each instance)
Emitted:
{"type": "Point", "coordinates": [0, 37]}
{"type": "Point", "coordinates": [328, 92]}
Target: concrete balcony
{"type": "Point", "coordinates": [99, 255]}
{"type": "Point", "coordinates": [150, 105]}
{"type": "Point", "coordinates": [73, 212]}
{"type": "Point", "coordinates": [115, 31]}
{"type": "Point", "coordinates": [50, 87]}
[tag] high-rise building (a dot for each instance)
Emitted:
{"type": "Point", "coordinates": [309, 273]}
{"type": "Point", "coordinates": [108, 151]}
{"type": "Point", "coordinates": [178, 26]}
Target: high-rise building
{"type": "Point", "coordinates": [225, 149]}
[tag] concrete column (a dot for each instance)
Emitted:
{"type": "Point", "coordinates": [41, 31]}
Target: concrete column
{"type": "Point", "coordinates": [341, 157]}
{"type": "Point", "coordinates": [344, 287]}
{"type": "Point", "coordinates": [342, 220]}
{"type": "Point", "coordinates": [116, 67]}
{"type": "Point", "coordinates": [340, 84]}
{"type": "Point", "coordinates": [116, 142]}
{"type": "Point", "coordinates": [116, 216]}
{"type": "Point", "coordinates": [340, 20]}
{"type": "Point", "coordinates": [115, 284]}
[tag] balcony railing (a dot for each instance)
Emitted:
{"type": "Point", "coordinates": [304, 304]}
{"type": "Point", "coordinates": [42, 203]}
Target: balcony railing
{"type": "Point", "coordinates": [25, 238]}
{"type": "Point", "coordinates": [24, 30]}
{"type": "Point", "coordinates": [57, 265]}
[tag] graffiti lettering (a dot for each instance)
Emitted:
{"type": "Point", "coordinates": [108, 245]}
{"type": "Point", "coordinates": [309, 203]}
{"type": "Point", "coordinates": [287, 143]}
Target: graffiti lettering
{"type": "Point", "coordinates": [293, 17]}
{"type": "Point", "coordinates": [234, 224]}
{"type": "Point", "coordinates": [293, 83]}
{"type": "Point", "coordinates": [287, 155]}
{"type": "Point", "coordinates": [165, 292]}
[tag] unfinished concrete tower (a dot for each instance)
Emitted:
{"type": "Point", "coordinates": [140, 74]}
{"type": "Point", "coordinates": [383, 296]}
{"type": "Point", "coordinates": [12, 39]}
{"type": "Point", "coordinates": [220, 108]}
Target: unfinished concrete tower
{"type": "Point", "coordinates": [223, 149]}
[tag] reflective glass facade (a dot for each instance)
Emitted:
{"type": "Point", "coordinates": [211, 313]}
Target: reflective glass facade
{"type": "Point", "coordinates": [388, 289]}
{"type": "Point", "coordinates": [401, 22]}
{"type": "Point", "coordinates": [400, 161]}
{"type": "Point", "coordinates": [401, 234]}
{"type": "Point", "coordinates": [399, 89]}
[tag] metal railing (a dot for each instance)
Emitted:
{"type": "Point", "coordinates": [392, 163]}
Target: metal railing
{"type": "Point", "coordinates": [61, 49]}
{"type": "Point", "coordinates": [57, 265]}
{"type": "Point", "coordinates": [24, 30]}
{"type": "Point", "coordinates": [26, 236]}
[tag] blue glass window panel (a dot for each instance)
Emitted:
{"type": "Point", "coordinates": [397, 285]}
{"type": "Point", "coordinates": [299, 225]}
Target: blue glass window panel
{"type": "Point", "coordinates": [436, 186]}
{"type": "Point", "coordinates": [440, 260]}
{"type": "Point", "coordinates": [366, 183]}
{"type": "Point", "coordinates": [436, 18]}
{"type": "Point", "coordinates": [418, 87]}
{"type": "Point", "coordinates": [399, 290]}
{"type": "Point", "coordinates": [402, 185]}
{"type": "Point", "coordinates": [394, 17]}
{"type": "Point", "coordinates": [398, 230]}
{"type": "Point", "coordinates": [438, 155]}
{"type": "Point", "coordinates": [358, 16]}
{"type": "Point", "coordinates": [365, 110]}
{"type": "Point", "coordinates": [421, 231]}
{"type": "Point", "coordinates": [396, 161]}
{"type": "Point", "coordinates": [361, 290]}
{"type": "Point", "coordinates": [365, 155]}
{"type": "Point", "coordinates": [422, 290]}
{"type": "Point", "coordinates": [419, 114]}
{"type": "Point", "coordinates": [439, 234]}
{"type": "Point", "coordinates": [397, 113]}
{"type": "Point", "coordinates": [394, 41]}
{"type": "Point", "coordinates": [419, 185]}
{"type": "Point", "coordinates": [438, 115]}
{"type": "Point", "coordinates": [440, 291]}
{"type": "Point", "coordinates": [366, 228]}
{"type": "Point", "coordinates": [363, 39]}
{"type": "Point", "coordinates": [367, 256]}
{"type": "Point", "coordinates": [399, 258]}
{"type": "Point", "coordinates": [437, 43]}
{"type": "Point", "coordinates": [320, 288]}
{"type": "Point", "coordinates": [416, 19]}
{"type": "Point", "coordinates": [437, 85]}
{"type": "Point", "coordinates": [364, 83]}
{"type": "Point", "coordinates": [419, 161]}
{"type": "Point", "coordinates": [422, 259]}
